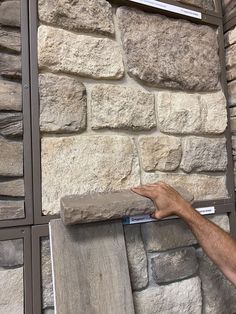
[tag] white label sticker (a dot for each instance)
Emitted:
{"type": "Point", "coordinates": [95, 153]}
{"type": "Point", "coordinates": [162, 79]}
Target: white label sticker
{"type": "Point", "coordinates": [206, 210]}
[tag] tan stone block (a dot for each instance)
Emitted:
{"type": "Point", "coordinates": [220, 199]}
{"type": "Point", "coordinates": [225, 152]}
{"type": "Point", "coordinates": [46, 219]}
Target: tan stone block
{"type": "Point", "coordinates": [10, 96]}
{"type": "Point", "coordinates": [11, 158]}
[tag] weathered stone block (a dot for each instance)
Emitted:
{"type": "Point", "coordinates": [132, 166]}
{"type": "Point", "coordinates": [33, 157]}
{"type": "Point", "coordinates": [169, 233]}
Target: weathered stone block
{"type": "Point", "coordinates": [204, 4]}
{"type": "Point", "coordinates": [204, 154]}
{"type": "Point", "coordinates": [85, 15]}
{"type": "Point", "coordinates": [10, 13]}
{"type": "Point", "coordinates": [230, 57]}
{"type": "Point", "coordinates": [12, 187]}
{"type": "Point", "coordinates": [232, 93]}
{"type": "Point", "coordinates": [63, 51]}
{"type": "Point", "coordinates": [185, 113]}
{"type": "Point", "coordinates": [62, 109]}
{"type": "Point", "coordinates": [180, 297]}
{"type": "Point", "coordinates": [230, 37]}
{"type": "Point", "coordinates": [11, 253]}
{"type": "Point", "coordinates": [11, 158]}
{"type": "Point", "coordinates": [174, 265]}
{"type": "Point", "coordinates": [10, 40]}
{"type": "Point", "coordinates": [10, 65]}
{"type": "Point", "coordinates": [122, 107]}
{"type": "Point", "coordinates": [231, 74]}
{"type": "Point", "coordinates": [85, 164]}
{"type": "Point", "coordinates": [10, 96]}
{"type": "Point", "coordinates": [137, 257]}
{"type": "Point", "coordinates": [160, 152]}
{"type": "Point", "coordinates": [12, 210]}
{"type": "Point", "coordinates": [158, 53]}
{"type": "Point", "coordinates": [11, 124]}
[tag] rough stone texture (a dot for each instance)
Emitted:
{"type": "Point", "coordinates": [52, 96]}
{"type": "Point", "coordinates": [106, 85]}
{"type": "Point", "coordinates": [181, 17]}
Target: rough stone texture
{"type": "Point", "coordinates": [82, 15]}
{"type": "Point", "coordinates": [221, 220]}
{"type": "Point", "coordinates": [11, 210]}
{"type": "Point", "coordinates": [81, 164]}
{"type": "Point", "coordinates": [171, 53]}
{"type": "Point", "coordinates": [11, 253]}
{"type": "Point", "coordinates": [11, 124]}
{"type": "Point", "coordinates": [204, 154]}
{"type": "Point", "coordinates": [122, 107]}
{"type": "Point", "coordinates": [12, 293]}
{"type": "Point", "coordinates": [232, 93]}
{"type": "Point", "coordinates": [180, 297]}
{"type": "Point", "coordinates": [10, 65]}
{"type": "Point", "coordinates": [184, 113]}
{"type": "Point", "coordinates": [230, 57]}
{"type": "Point", "coordinates": [10, 13]}
{"type": "Point", "coordinates": [63, 51]}
{"type": "Point", "coordinates": [174, 265]}
{"type": "Point", "coordinates": [10, 40]}
{"type": "Point", "coordinates": [48, 311]}
{"type": "Point", "coordinates": [62, 109]}
{"type": "Point", "coordinates": [233, 124]}
{"type": "Point", "coordinates": [204, 4]}
{"type": "Point", "coordinates": [160, 152]}
{"type": "Point", "coordinates": [11, 158]}
{"type": "Point", "coordinates": [136, 257]}
{"type": "Point", "coordinates": [230, 37]}
{"type": "Point", "coordinates": [10, 96]}
{"type": "Point", "coordinates": [13, 187]}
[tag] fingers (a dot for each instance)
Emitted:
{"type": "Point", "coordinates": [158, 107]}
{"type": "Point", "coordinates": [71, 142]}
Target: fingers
{"type": "Point", "coordinates": [144, 191]}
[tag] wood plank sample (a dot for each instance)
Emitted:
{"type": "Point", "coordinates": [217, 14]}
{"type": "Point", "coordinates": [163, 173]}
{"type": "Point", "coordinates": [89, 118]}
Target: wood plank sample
{"type": "Point", "coordinates": [90, 269]}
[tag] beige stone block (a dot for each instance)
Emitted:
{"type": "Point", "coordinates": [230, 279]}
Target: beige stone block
{"type": "Point", "coordinates": [11, 158]}
{"type": "Point", "coordinates": [10, 40]}
{"type": "Point", "coordinates": [232, 92]}
{"type": "Point", "coordinates": [10, 96]}
{"type": "Point", "coordinates": [230, 37]}
{"type": "Point", "coordinates": [230, 57]}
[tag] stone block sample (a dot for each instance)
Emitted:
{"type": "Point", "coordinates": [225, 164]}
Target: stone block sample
{"type": "Point", "coordinates": [11, 210]}
{"type": "Point", "coordinates": [85, 15]}
{"type": "Point", "coordinates": [204, 4]}
{"type": "Point", "coordinates": [119, 107]}
{"type": "Point", "coordinates": [230, 57]}
{"type": "Point", "coordinates": [11, 158]}
{"type": "Point", "coordinates": [10, 96]}
{"type": "Point", "coordinates": [230, 37]}
{"type": "Point", "coordinates": [10, 13]}
{"type": "Point", "coordinates": [10, 40]}
{"type": "Point", "coordinates": [11, 124]}
{"type": "Point", "coordinates": [179, 297]}
{"type": "Point", "coordinates": [174, 265]}
{"type": "Point", "coordinates": [85, 164]}
{"type": "Point", "coordinates": [160, 152]}
{"type": "Point", "coordinates": [204, 154]}
{"type": "Point", "coordinates": [11, 253]}
{"type": "Point", "coordinates": [159, 54]}
{"type": "Point", "coordinates": [10, 65]}
{"type": "Point", "coordinates": [13, 187]}
{"type": "Point", "coordinates": [62, 109]}
{"type": "Point", "coordinates": [232, 93]}
{"type": "Point", "coordinates": [185, 113]}
{"type": "Point", "coordinates": [63, 51]}
{"type": "Point", "coordinates": [231, 74]}
{"type": "Point", "coordinates": [12, 294]}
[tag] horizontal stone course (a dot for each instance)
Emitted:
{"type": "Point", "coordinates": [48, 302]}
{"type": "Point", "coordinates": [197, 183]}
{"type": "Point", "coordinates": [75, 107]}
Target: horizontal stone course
{"type": "Point", "coordinates": [10, 13]}
{"type": "Point", "coordinates": [10, 40]}
{"type": "Point", "coordinates": [10, 65]}
{"type": "Point", "coordinates": [11, 158]}
{"type": "Point", "coordinates": [10, 96]}
{"type": "Point", "coordinates": [11, 124]}
{"type": "Point", "coordinates": [14, 187]}
{"type": "Point", "coordinates": [11, 253]}
{"type": "Point", "coordinates": [11, 210]}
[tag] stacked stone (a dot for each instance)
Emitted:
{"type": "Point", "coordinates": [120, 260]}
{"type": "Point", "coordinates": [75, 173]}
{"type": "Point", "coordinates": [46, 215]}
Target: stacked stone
{"type": "Point", "coordinates": [11, 129]}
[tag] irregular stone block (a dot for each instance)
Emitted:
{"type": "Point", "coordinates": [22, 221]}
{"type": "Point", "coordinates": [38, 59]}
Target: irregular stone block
{"type": "Point", "coordinates": [12, 187]}
{"type": "Point", "coordinates": [232, 93]}
{"type": "Point", "coordinates": [204, 4]}
{"type": "Point", "coordinates": [11, 124]}
{"type": "Point", "coordinates": [63, 51]}
{"type": "Point", "coordinates": [158, 53]}
{"type": "Point", "coordinates": [179, 297]}
{"type": "Point", "coordinates": [185, 113]}
{"type": "Point", "coordinates": [230, 57]}
{"type": "Point", "coordinates": [86, 15]}
{"type": "Point", "coordinates": [204, 154]}
{"type": "Point", "coordinates": [231, 74]}
{"type": "Point", "coordinates": [10, 65]}
{"type": "Point", "coordinates": [12, 210]}
{"type": "Point", "coordinates": [11, 158]}
{"type": "Point", "coordinates": [119, 107]}
{"type": "Point", "coordinates": [62, 109]}
{"type": "Point", "coordinates": [10, 13]}
{"type": "Point", "coordinates": [85, 164]}
{"type": "Point", "coordinates": [10, 96]}
{"type": "Point", "coordinates": [11, 253]}
{"type": "Point", "coordinates": [160, 152]}
{"type": "Point", "coordinates": [230, 37]}
{"type": "Point", "coordinates": [233, 125]}
{"type": "Point", "coordinates": [174, 265]}
{"type": "Point", "coordinates": [10, 40]}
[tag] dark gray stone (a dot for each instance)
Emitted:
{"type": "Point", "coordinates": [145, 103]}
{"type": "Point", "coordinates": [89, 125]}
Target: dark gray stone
{"type": "Point", "coordinates": [10, 96]}
{"type": "Point", "coordinates": [11, 158]}
{"type": "Point", "coordinates": [12, 187]}
{"type": "Point", "coordinates": [10, 13]}
{"type": "Point", "coordinates": [10, 65]}
{"type": "Point", "coordinates": [11, 124]}
{"type": "Point", "coordinates": [204, 4]}
{"type": "Point", "coordinates": [11, 210]}
{"type": "Point", "coordinates": [11, 253]}
{"type": "Point", "coordinates": [10, 40]}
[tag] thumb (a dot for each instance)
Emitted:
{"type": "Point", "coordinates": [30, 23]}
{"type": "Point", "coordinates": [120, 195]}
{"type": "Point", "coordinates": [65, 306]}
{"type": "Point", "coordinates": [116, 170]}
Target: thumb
{"type": "Point", "coordinates": [157, 214]}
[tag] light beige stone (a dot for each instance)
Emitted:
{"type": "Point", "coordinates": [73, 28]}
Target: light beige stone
{"type": "Point", "coordinates": [230, 57]}
{"type": "Point", "coordinates": [231, 74]}
{"type": "Point", "coordinates": [13, 187]}
{"type": "Point", "coordinates": [230, 37]}
{"type": "Point", "coordinates": [119, 107]}
{"type": "Point", "coordinates": [11, 158]}
{"type": "Point", "coordinates": [233, 124]}
{"type": "Point", "coordinates": [232, 93]}
{"type": "Point", "coordinates": [63, 51]}
{"type": "Point", "coordinates": [10, 96]}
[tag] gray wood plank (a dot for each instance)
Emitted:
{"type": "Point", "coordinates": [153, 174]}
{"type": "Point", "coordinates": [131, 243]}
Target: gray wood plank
{"type": "Point", "coordinates": [90, 269]}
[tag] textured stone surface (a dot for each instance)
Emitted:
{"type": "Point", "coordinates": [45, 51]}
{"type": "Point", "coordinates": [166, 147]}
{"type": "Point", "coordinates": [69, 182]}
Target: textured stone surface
{"type": "Point", "coordinates": [204, 4]}
{"type": "Point", "coordinates": [11, 124]}
{"type": "Point", "coordinates": [13, 187]}
{"type": "Point", "coordinates": [172, 53]}
{"type": "Point", "coordinates": [232, 93]}
{"type": "Point", "coordinates": [204, 154]}
{"type": "Point", "coordinates": [62, 109]}
{"type": "Point", "coordinates": [11, 253]}
{"type": "Point", "coordinates": [160, 152]}
{"type": "Point", "coordinates": [11, 210]}
{"type": "Point", "coordinates": [81, 164]}
{"type": "Point", "coordinates": [180, 297]}
{"type": "Point", "coordinates": [82, 15]}
{"type": "Point", "coordinates": [63, 51]}
{"type": "Point", "coordinates": [11, 158]}
{"type": "Point", "coordinates": [10, 65]}
{"type": "Point", "coordinates": [230, 37]}
{"type": "Point", "coordinates": [10, 96]}
{"type": "Point", "coordinates": [230, 57]}
{"type": "Point", "coordinates": [12, 293]}
{"type": "Point", "coordinates": [10, 13]}
{"type": "Point", "coordinates": [10, 40]}
{"type": "Point", "coordinates": [231, 74]}
{"type": "Point", "coordinates": [136, 257]}
{"type": "Point", "coordinates": [174, 265]}
{"type": "Point", "coordinates": [49, 311]}
{"type": "Point", "coordinates": [122, 107]}
{"type": "Point", "coordinates": [184, 113]}
{"type": "Point", "coordinates": [221, 220]}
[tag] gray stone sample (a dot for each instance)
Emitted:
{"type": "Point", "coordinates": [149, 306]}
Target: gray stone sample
{"type": "Point", "coordinates": [63, 104]}
{"type": "Point", "coordinates": [232, 93]}
{"type": "Point", "coordinates": [11, 253]}
{"type": "Point", "coordinates": [93, 57]}
{"type": "Point", "coordinates": [204, 4]}
{"type": "Point", "coordinates": [10, 65]}
{"type": "Point", "coordinates": [12, 210]}
{"type": "Point", "coordinates": [11, 124]}
{"type": "Point", "coordinates": [83, 15]}
{"type": "Point", "coordinates": [11, 158]}
{"type": "Point", "coordinates": [230, 57]}
{"type": "Point", "coordinates": [10, 96]}
{"type": "Point", "coordinates": [10, 13]}
{"type": "Point", "coordinates": [10, 40]}
{"type": "Point", "coordinates": [230, 37]}
{"type": "Point", "coordinates": [174, 265]}
{"type": "Point", "coordinates": [170, 53]}
{"type": "Point", "coordinates": [180, 297]}
{"type": "Point", "coordinates": [13, 187]}
{"type": "Point", "coordinates": [119, 107]}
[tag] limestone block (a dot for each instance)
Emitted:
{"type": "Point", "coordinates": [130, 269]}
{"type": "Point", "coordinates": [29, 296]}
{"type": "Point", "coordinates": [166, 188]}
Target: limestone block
{"type": "Point", "coordinates": [122, 107]}
{"type": "Point", "coordinates": [230, 37]}
{"type": "Point", "coordinates": [83, 15]}
{"type": "Point", "coordinates": [231, 74]}
{"type": "Point", "coordinates": [10, 40]}
{"type": "Point", "coordinates": [63, 104]}
{"type": "Point", "coordinates": [10, 96]}
{"type": "Point", "coordinates": [11, 210]}
{"type": "Point", "coordinates": [160, 152]}
{"type": "Point", "coordinates": [11, 158]}
{"type": "Point", "coordinates": [85, 164]}
{"type": "Point", "coordinates": [137, 257]}
{"type": "Point", "coordinates": [232, 93]}
{"type": "Point", "coordinates": [12, 292]}
{"type": "Point", "coordinates": [11, 124]}
{"type": "Point", "coordinates": [174, 265]}
{"type": "Point", "coordinates": [233, 124]}
{"type": "Point", "coordinates": [158, 53]}
{"type": "Point", "coordinates": [13, 187]}
{"type": "Point", "coordinates": [10, 13]}
{"type": "Point", "coordinates": [180, 297]}
{"type": "Point", "coordinates": [204, 4]}
{"type": "Point", "coordinates": [185, 113]}
{"type": "Point", "coordinates": [63, 51]}
{"type": "Point", "coordinates": [10, 65]}
{"type": "Point", "coordinates": [204, 154]}
{"type": "Point", "coordinates": [230, 57]}
{"type": "Point", "coordinates": [11, 253]}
